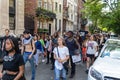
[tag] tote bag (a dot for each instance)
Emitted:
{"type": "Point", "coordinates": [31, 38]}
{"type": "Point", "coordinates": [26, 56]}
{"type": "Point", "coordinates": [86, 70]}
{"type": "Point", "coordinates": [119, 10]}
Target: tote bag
{"type": "Point", "coordinates": [76, 58]}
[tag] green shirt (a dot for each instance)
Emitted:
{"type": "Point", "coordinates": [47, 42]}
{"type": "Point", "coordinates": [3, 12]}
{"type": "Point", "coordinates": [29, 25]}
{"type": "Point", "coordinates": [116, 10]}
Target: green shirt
{"type": "Point", "coordinates": [42, 42]}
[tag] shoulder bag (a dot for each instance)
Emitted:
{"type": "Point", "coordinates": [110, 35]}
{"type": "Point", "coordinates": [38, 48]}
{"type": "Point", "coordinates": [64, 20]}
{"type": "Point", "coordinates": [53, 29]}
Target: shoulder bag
{"type": "Point", "coordinates": [65, 64]}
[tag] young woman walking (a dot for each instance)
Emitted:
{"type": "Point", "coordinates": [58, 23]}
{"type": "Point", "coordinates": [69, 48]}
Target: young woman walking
{"type": "Point", "coordinates": [61, 55]}
{"type": "Point", "coordinates": [13, 63]}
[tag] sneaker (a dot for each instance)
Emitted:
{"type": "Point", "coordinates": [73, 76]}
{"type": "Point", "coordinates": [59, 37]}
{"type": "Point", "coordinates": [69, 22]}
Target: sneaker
{"type": "Point", "coordinates": [67, 73]}
{"type": "Point", "coordinates": [52, 68]}
{"type": "Point", "coordinates": [47, 62]}
{"type": "Point", "coordinates": [36, 66]}
{"type": "Point", "coordinates": [43, 60]}
{"type": "Point", "coordinates": [71, 76]}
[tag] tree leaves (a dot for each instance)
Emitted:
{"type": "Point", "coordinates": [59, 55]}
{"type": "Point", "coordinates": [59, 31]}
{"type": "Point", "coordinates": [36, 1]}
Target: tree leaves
{"type": "Point", "coordinates": [45, 14]}
{"type": "Point", "coordinates": [93, 11]}
{"type": "Point", "coordinates": [108, 20]}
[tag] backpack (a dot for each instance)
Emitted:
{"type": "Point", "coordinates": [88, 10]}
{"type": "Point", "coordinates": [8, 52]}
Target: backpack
{"type": "Point", "coordinates": [35, 48]}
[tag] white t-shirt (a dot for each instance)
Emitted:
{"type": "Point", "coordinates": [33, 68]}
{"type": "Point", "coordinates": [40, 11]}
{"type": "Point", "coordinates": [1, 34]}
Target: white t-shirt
{"type": "Point", "coordinates": [63, 52]}
{"type": "Point", "coordinates": [91, 47]}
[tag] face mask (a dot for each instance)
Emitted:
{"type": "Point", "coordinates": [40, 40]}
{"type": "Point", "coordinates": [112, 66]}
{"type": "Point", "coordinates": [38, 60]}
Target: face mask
{"type": "Point", "coordinates": [27, 38]}
{"type": "Point", "coordinates": [12, 49]}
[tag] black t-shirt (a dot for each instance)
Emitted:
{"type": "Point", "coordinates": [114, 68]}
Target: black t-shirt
{"type": "Point", "coordinates": [83, 34]}
{"type": "Point", "coordinates": [13, 63]}
{"type": "Point", "coordinates": [4, 39]}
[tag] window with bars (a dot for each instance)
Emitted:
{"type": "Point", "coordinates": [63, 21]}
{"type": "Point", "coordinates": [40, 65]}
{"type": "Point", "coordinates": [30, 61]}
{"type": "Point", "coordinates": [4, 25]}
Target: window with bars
{"type": "Point", "coordinates": [12, 22]}
{"type": "Point", "coordinates": [56, 6]}
{"type": "Point", "coordinates": [55, 24]}
{"type": "Point", "coordinates": [39, 4]}
{"type": "Point", "coordinates": [11, 3]}
{"type": "Point", "coordinates": [60, 8]}
{"type": "Point", "coordinates": [12, 14]}
{"type": "Point", "coordinates": [45, 5]}
{"type": "Point", "coordinates": [59, 23]}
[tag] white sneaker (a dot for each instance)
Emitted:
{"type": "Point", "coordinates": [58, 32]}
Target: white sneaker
{"type": "Point", "coordinates": [43, 60]}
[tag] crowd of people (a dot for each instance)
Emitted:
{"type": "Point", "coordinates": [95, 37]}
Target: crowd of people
{"type": "Point", "coordinates": [56, 49]}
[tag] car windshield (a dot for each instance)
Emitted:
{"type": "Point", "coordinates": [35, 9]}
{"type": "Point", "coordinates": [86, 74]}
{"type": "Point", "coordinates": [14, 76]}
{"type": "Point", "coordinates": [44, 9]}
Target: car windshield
{"type": "Point", "coordinates": [113, 42]}
{"type": "Point", "coordinates": [111, 50]}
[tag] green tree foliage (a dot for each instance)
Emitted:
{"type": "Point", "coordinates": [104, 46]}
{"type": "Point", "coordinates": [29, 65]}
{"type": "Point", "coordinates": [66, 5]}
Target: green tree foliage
{"type": "Point", "coordinates": [45, 14]}
{"type": "Point", "coordinates": [93, 12]}
{"type": "Point", "coordinates": [111, 19]}
{"type": "Point", "coordinates": [104, 19]}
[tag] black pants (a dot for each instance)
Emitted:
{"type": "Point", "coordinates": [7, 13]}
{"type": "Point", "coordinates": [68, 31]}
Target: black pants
{"type": "Point", "coordinates": [48, 56]}
{"type": "Point", "coordinates": [11, 77]}
{"type": "Point", "coordinates": [73, 66]}
{"type": "Point", "coordinates": [52, 59]}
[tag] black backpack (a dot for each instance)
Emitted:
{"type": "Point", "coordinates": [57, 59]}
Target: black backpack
{"type": "Point", "coordinates": [35, 48]}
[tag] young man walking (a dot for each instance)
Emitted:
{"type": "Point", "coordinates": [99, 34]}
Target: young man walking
{"type": "Point", "coordinates": [28, 49]}
{"type": "Point", "coordinates": [71, 43]}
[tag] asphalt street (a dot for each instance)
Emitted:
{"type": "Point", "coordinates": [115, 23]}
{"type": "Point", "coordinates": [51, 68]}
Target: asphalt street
{"type": "Point", "coordinates": [43, 72]}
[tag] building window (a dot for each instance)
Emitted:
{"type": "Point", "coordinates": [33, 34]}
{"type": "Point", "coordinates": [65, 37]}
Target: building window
{"type": "Point", "coordinates": [59, 24]}
{"type": "Point", "coordinates": [56, 24]}
{"type": "Point", "coordinates": [75, 9]}
{"type": "Point", "coordinates": [11, 3]}
{"type": "Point", "coordinates": [71, 8]}
{"type": "Point", "coordinates": [50, 7]}
{"type": "Point", "coordinates": [60, 8]}
{"type": "Point", "coordinates": [56, 6]}
{"type": "Point", "coordinates": [40, 4]}
{"type": "Point", "coordinates": [12, 22]}
{"type": "Point", "coordinates": [12, 6]}
{"type": "Point", "coordinates": [45, 5]}
{"type": "Point", "coordinates": [71, 16]}
{"type": "Point", "coordinates": [12, 14]}
{"type": "Point", "coordinates": [76, 1]}
{"type": "Point", "coordinates": [75, 19]}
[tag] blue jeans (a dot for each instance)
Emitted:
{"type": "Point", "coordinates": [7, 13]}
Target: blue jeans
{"type": "Point", "coordinates": [31, 61]}
{"type": "Point", "coordinates": [59, 73]}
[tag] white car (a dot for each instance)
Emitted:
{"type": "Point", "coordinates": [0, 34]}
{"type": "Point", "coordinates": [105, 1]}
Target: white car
{"type": "Point", "coordinates": [107, 65]}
